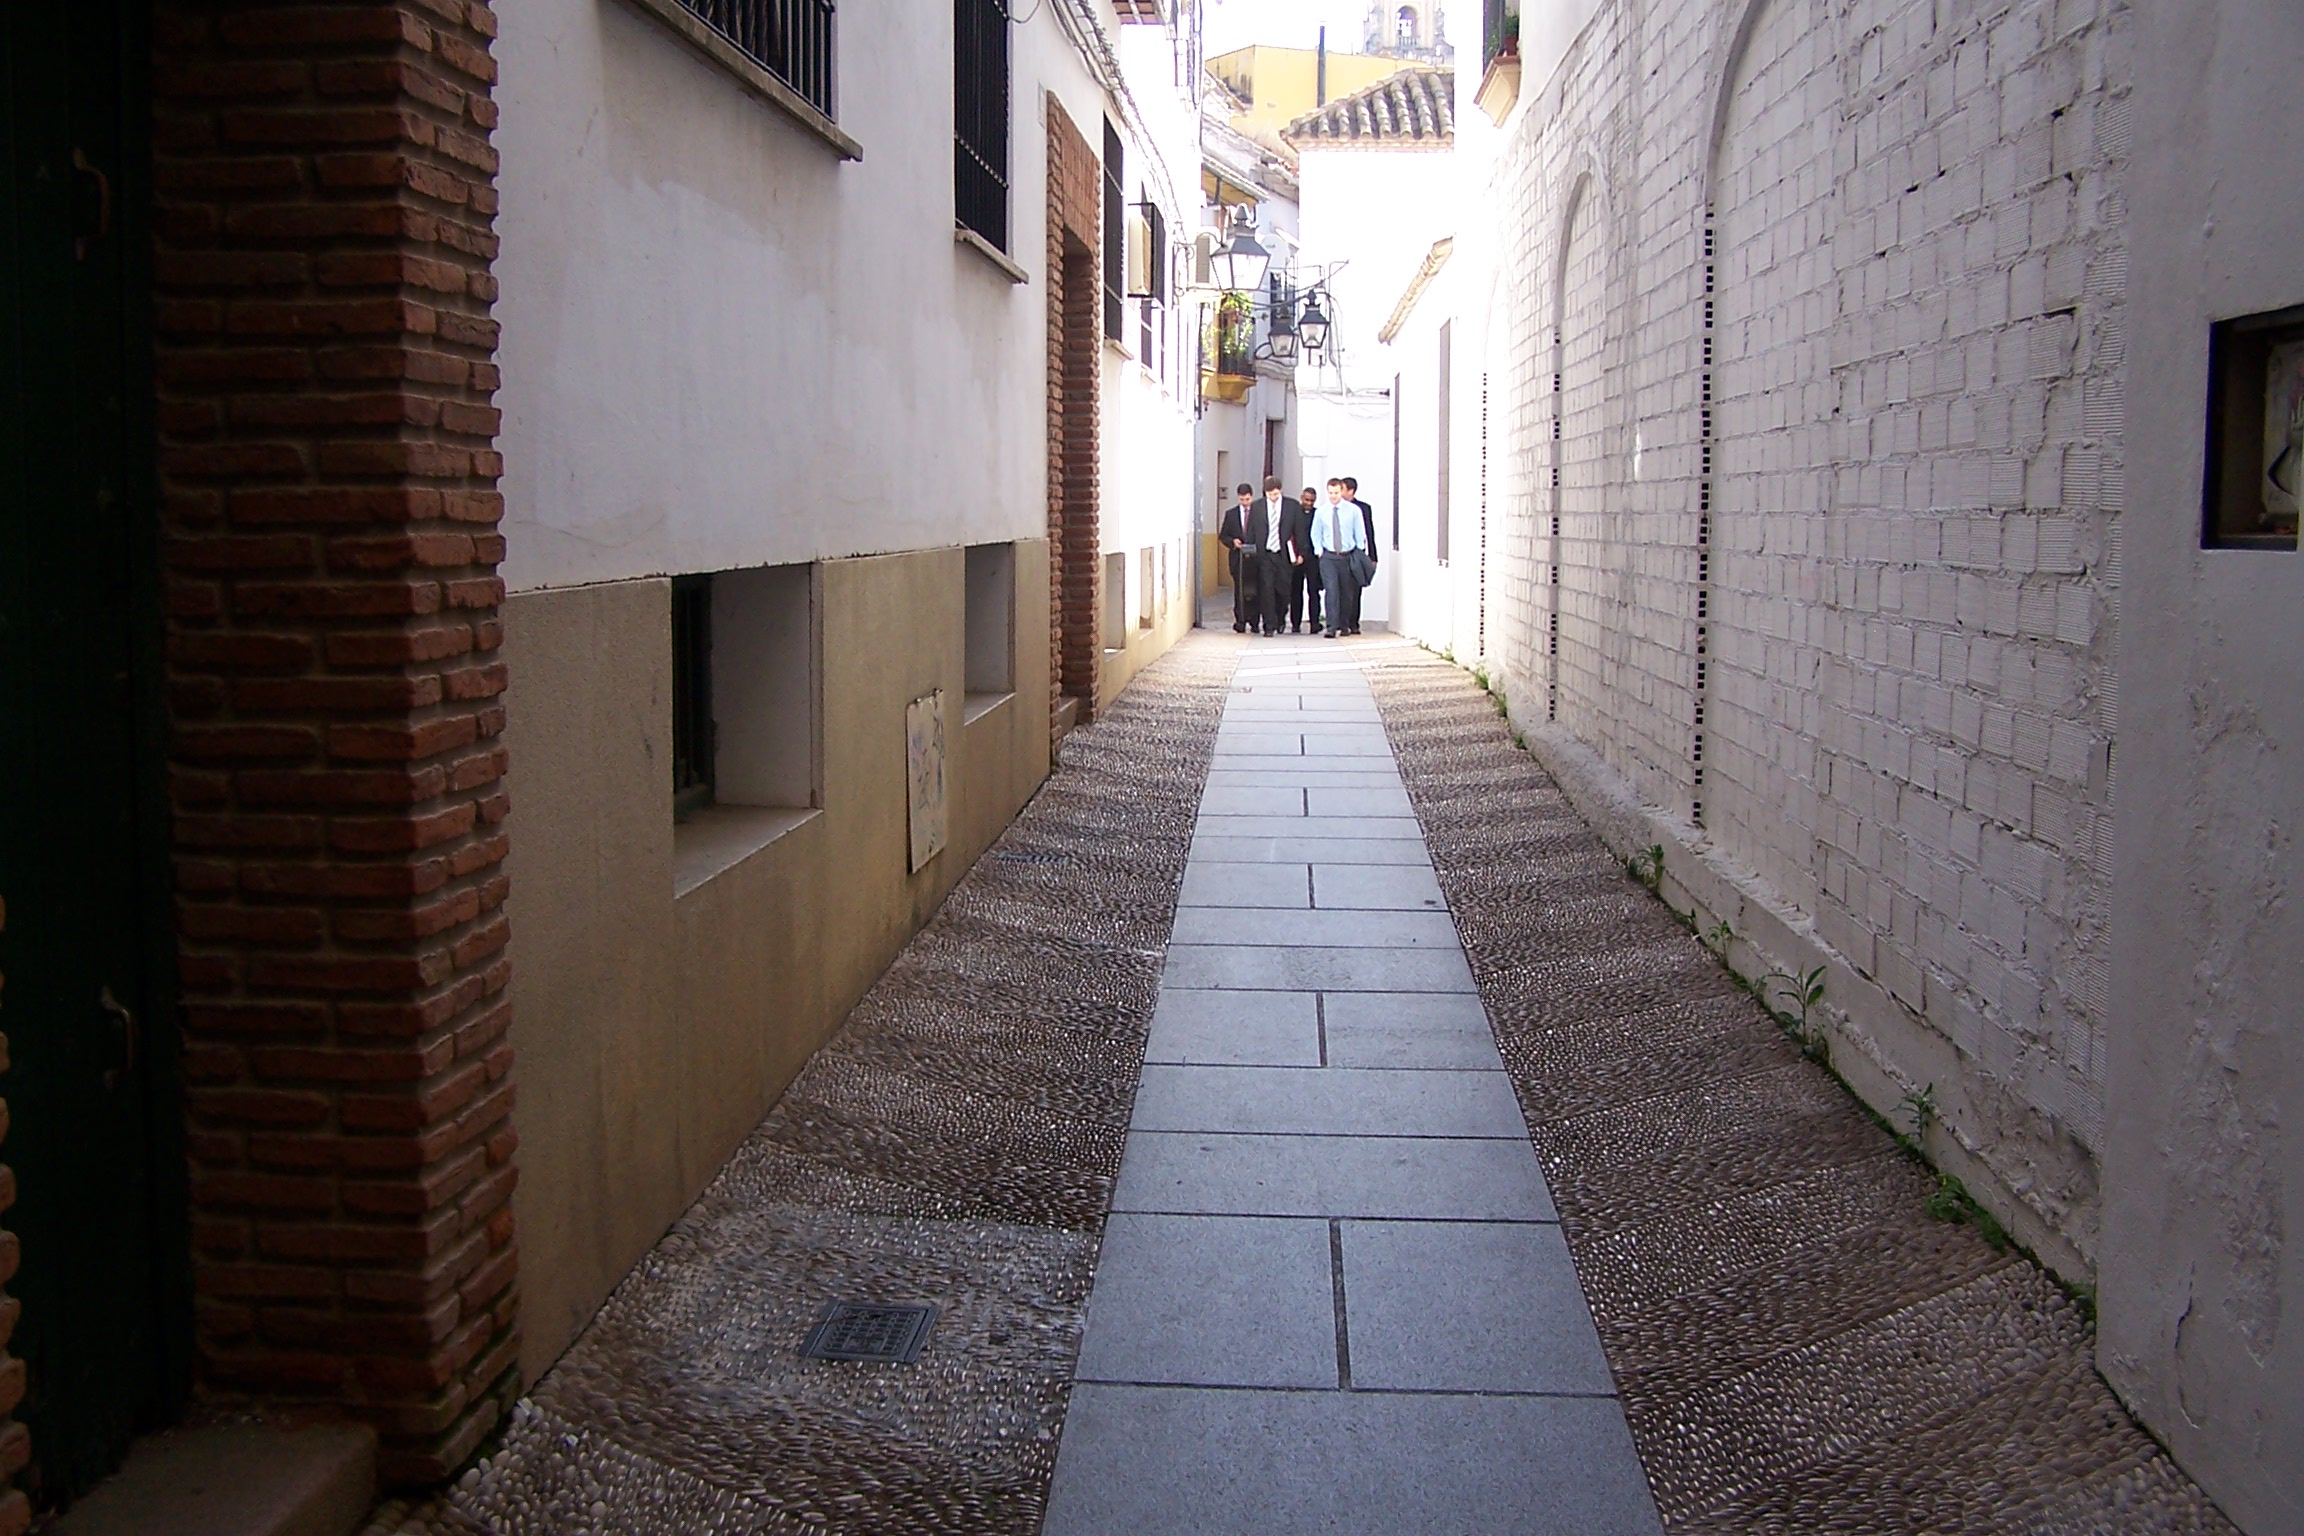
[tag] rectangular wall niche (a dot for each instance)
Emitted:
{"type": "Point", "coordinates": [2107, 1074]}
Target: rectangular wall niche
{"type": "Point", "coordinates": [2255, 479]}
{"type": "Point", "coordinates": [991, 662]}
{"type": "Point", "coordinates": [764, 687]}
{"type": "Point", "coordinates": [1115, 615]}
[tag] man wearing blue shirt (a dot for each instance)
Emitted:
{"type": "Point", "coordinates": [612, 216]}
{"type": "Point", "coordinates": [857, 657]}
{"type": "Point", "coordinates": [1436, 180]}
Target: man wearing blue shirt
{"type": "Point", "coordinates": [1336, 533]}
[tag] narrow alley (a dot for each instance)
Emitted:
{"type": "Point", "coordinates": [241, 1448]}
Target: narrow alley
{"type": "Point", "coordinates": [1232, 1115]}
{"type": "Point", "coordinates": [1151, 768]}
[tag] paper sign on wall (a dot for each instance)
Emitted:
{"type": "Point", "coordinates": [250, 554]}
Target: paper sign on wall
{"type": "Point", "coordinates": [924, 763]}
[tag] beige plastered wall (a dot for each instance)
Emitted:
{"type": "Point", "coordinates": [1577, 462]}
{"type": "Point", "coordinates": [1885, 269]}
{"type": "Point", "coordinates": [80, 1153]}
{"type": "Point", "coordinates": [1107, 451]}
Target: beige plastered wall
{"type": "Point", "coordinates": [1171, 621]}
{"type": "Point", "coordinates": [655, 1031]}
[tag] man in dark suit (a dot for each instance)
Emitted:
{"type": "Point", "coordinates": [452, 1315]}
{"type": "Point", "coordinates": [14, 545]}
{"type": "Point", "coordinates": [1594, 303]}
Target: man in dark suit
{"type": "Point", "coordinates": [1268, 536]}
{"type": "Point", "coordinates": [1233, 533]}
{"type": "Point", "coordinates": [1303, 569]}
{"type": "Point", "coordinates": [1368, 521]}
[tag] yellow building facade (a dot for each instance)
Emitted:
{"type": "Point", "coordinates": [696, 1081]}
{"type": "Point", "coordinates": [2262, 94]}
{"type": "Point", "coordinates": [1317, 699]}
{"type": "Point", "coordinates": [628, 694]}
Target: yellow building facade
{"type": "Point", "coordinates": [1279, 85]}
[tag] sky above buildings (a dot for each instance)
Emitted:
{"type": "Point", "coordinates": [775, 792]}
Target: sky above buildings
{"type": "Point", "coordinates": [1291, 23]}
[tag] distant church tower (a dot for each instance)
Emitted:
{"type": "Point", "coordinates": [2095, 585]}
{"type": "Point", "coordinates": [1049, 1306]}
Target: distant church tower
{"type": "Point", "coordinates": [1409, 29]}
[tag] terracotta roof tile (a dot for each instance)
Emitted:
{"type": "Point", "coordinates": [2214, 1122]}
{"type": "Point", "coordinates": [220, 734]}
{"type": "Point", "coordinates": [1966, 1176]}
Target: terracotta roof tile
{"type": "Point", "coordinates": [1415, 108]}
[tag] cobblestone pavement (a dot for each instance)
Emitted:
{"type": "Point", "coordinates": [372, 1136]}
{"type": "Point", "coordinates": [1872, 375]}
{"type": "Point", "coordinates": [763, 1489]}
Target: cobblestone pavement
{"type": "Point", "coordinates": [1798, 1345]}
{"type": "Point", "coordinates": [956, 1143]}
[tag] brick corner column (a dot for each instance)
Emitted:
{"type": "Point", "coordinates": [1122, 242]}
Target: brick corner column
{"type": "Point", "coordinates": [325, 197]}
{"type": "Point", "coordinates": [1075, 374]}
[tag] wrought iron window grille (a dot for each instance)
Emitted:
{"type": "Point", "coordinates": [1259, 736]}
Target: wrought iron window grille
{"type": "Point", "coordinates": [980, 118]}
{"type": "Point", "coordinates": [791, 39]}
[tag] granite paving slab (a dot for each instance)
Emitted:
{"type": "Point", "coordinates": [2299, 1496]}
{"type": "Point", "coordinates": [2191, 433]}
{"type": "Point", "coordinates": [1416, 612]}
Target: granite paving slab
{"type": "Point", "coordinates": [1165, 1461]}
{"type": "Point", "coordinates": [1388, 1133]}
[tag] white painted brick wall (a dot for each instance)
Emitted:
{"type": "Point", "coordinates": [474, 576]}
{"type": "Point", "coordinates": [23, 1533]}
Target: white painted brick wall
{"type": "Point", "coordinates": [1912, 601]}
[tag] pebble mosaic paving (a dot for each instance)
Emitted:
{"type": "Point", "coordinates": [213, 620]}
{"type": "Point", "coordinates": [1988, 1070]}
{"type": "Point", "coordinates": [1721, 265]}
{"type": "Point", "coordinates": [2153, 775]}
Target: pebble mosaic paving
{"type": "Point", "coordinates": [1438, 1181]}
{"type": "Point", "coordinates": [1799, 1347]}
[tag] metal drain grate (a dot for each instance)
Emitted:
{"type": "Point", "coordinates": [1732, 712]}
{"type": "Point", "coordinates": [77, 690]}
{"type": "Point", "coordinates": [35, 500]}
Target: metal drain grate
{"type": "Point", "coordinates": [1025, 856]}
{"type": "Point", "coordinates": [855, 1330]}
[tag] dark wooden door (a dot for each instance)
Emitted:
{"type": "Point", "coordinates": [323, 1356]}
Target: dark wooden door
{"type": "Point", "coordinates": [83, 953]}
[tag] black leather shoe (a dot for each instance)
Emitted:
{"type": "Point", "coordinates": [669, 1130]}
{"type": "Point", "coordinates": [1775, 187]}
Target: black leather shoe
{"type": "Point", "coordinates": [1239, 629]}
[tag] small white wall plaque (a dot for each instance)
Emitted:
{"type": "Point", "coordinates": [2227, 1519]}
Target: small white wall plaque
{"type": "Point", "coordinates": [924, 764]}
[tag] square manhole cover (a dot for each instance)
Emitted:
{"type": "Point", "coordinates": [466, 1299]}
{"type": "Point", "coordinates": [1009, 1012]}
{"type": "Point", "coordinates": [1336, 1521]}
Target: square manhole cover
{"type": "Point", "coordinates": [855, 1330]}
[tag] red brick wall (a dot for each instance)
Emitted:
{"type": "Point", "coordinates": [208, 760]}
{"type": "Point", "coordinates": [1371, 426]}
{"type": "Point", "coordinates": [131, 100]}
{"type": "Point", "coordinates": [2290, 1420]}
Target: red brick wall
{"type": "Point", "coordinates": [326, 194]}
{"type": "Point", "coordinates": [1075, 366]}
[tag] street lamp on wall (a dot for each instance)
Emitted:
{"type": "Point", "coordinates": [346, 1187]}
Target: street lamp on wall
{"type": "Point", "coordinates": [1280, 326]}
{"type": "Point", "coordinates": [1241, 265]}
{"type": "Point", "coordinates": [1312, 325]}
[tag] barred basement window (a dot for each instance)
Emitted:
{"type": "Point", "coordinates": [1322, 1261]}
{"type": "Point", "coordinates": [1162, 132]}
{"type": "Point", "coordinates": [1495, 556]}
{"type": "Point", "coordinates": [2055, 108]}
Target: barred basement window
{"type": "Point", "coordinates": [980, 118]}
{"type": "Point", "coordinates": [691, 694]}
{"type": "Point", "coordinates": [791, 39]}
{"type": "Point", "coordinates": [1115, 239]}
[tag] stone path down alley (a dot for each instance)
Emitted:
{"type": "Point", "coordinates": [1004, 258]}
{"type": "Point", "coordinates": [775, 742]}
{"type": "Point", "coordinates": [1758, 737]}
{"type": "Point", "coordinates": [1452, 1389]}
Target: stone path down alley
{"type": "Point", "coordinates": [1333, 1293]}
{"type": "Point", "coordinates": [1243, 1112]}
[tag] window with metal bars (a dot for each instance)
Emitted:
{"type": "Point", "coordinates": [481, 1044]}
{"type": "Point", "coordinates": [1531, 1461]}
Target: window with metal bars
{"type": "Point", "coordinates": [1151, 284]}
{"type": "Point", "coordinates": [1115, 239]}
{"type": "Point", "coordinates": [980, 118]}
{"type": "Point", "coordinates": [791, 39]}
{"type": "Point", "coordinates": [691, 694]}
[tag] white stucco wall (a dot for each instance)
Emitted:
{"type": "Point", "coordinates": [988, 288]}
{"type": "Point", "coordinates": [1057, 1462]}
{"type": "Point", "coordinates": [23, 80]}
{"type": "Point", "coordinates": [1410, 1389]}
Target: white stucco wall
{"type": "Point", "coordinates": [723, 346]}
{"type": "Point", "coordinates": [1910, 597]}
{"type": "Point", "coordinates": [1443, 604]}
{"type": "Point", "coordinates": [1377, 211]}
{"type": "Point", "coordinates": [2202, 1297]}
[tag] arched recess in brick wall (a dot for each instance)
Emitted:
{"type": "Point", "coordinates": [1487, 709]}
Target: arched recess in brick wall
{"type": "Point", "coordinates": [1521, 509]}
{"type": "Point", "coordinates": [1497, 346]}
{"type": "Point", "coordinates": [1578, 605]}
{"type": "Point", "coordinates": [1768, 482]}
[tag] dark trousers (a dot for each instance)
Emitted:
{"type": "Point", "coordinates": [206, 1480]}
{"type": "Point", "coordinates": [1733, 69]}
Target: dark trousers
{"type": "Point", "coordinates": [1242, 613]}
{"type": "Point", "coordinates": [1304, 586]}
{"type": "Point", "coordinates": [1271, 589]}
{"type": "Point", "coordinates": [1343, 592]}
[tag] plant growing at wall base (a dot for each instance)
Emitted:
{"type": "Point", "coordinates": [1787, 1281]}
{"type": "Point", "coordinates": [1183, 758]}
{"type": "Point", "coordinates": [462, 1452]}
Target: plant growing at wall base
{"type": "Point", "coordinates": [1718, 938]}
{"type": "Point", "coordinates": [1920, 1104]}
{"type": "Point", "coordinates": [1647, 866]}
{"type": "Point", "coordinates": [1804, 993]}
{"type": "Point", "coordinates": [1952, 1202]}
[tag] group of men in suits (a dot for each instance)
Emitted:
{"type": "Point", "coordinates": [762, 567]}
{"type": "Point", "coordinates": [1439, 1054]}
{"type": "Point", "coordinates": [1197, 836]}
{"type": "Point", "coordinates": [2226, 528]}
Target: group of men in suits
{"type": "Point", "coordinates": [1291, 558]}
